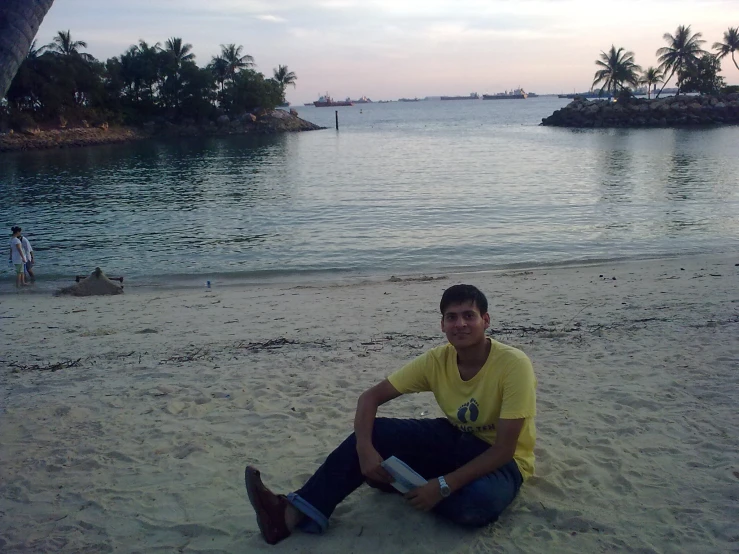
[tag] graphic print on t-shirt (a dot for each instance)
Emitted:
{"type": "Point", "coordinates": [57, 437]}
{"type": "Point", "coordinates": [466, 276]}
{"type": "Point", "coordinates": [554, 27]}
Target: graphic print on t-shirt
{"type": "Point", "coordinates": [469, 408]}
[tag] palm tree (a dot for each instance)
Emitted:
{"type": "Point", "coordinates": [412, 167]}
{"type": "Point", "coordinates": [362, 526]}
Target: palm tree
{"type": "Point", "coordinates": [729, 46]}
{"type": "Point", "coordinates": [33, 52]}
{"type": "Point", "coordinates": [236, 62]}
{"type": "Point", "coordinates": [176, 55]}
{"type": "Point", "coordinates": [19, 23]}
{"type": "Point", "coordinates": [63, 45]}
{"type": "Point", "coordinates": [618, 68]}
{"type": "Point", "coordinates": [682, 52]}
{"type": "Point", "coordinates": [650, 77]}
{"type": "Point", "coordinates": [148, 62]}
{"type": "Point", "coordinates": [219, 67]}
{"type": "Point", "coordinates": [284, 77]}
{"type": "Point", "coordinates": [178, 52]}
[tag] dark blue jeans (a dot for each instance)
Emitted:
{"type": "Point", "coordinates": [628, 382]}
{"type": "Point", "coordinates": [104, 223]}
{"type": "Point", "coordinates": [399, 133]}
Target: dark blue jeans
{"type": "Point", "coordinates": [432, 447]}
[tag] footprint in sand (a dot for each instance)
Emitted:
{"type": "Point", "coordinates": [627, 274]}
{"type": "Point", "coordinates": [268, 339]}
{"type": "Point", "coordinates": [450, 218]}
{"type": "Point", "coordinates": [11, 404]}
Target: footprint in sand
{"type": "Point", "coordinates": [472, 408]}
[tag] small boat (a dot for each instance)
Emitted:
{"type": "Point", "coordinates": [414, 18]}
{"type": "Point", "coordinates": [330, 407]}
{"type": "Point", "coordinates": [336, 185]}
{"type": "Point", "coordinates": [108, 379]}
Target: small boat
{"type": "Point", "coordinates": [326, 101]}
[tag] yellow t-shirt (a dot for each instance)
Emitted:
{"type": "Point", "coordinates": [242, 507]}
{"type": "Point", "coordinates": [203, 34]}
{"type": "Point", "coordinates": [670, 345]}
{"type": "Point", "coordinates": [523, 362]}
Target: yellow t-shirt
{"type": "Point", "coordinates": [505, 388]}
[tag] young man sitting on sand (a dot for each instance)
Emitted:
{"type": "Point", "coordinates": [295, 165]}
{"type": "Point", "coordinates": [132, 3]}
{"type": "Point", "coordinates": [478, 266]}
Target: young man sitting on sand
{"type": "Point", "coordinates": [475, 459]}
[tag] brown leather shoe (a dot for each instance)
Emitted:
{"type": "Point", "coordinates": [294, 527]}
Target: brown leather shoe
{"type": "Point", "coordinates": [270, 508]}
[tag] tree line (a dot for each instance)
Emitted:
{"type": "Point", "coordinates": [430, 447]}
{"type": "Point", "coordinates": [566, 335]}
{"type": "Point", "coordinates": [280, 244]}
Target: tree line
{"type": "Point", "coordinates": [697, 70]}
{"type": "Point", "coordinates": [59, 81]}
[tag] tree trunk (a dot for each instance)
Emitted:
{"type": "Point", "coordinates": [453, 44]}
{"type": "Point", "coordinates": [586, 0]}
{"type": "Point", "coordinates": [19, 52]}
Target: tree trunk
{"type": "Point", "coordinates": [734, 60]}
{"type": "Point", "coordinates": [19, 23]}
{"type": "Point", "coordinates": [665, 84]}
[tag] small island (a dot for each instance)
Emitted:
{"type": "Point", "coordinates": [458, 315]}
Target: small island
{"type": "Point", "coordinates": [673, 111]}
{"type": "Point", "coordinates": [63, 97]}
{"type": "Point", "coordinates": [697, 71]}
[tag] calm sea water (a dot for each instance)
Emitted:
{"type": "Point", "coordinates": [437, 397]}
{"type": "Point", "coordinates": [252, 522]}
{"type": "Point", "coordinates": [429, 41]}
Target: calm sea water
{"type": "Point", "coordinates": [401, 188]}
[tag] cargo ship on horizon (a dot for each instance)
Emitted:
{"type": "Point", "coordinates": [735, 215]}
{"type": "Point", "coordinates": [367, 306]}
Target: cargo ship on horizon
{"type": "Point", "coordinates": [326, 101]}
{"type": "Point", "coordinates": [472, 96]}
{"type": "Point", "coordinates": [517, 94]}
{"type": "Point", "coordinates": [591, 94]}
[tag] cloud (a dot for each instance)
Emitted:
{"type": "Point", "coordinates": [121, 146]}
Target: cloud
{"type": "Point", "coordinates": [272, 18]}
{"type": "Point", "coordinates": [387, 48]}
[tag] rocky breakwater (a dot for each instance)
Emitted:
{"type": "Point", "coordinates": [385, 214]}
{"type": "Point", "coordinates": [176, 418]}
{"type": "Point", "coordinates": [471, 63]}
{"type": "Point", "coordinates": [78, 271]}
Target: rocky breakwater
{"type": "Point", "coordinates": [674, 111]}
{"type": "Point", "coordinates": [32, 137]}
{"type": "Point", "coordinates": [260, 122]}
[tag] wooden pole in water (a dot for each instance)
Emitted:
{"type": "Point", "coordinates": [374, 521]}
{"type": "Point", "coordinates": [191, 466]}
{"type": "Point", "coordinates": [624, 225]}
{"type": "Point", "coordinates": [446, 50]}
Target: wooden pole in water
{"type": "Point", "coordinates": [337, 120]}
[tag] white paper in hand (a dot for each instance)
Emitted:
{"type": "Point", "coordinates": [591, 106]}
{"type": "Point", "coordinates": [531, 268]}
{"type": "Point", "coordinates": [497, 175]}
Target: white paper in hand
{"type": "Point", "coordinates": [405, 479]}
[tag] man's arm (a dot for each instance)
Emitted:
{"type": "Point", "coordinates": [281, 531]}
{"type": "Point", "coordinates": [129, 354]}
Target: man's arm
{"type": "Point", "coordinates": [429, 495]}
{"type": "Point", "coordinates": [492, 459]}
{"type": "Point", "coordinates": [20, 250]}
{"type": "Point", "coordinates": [369, 401]}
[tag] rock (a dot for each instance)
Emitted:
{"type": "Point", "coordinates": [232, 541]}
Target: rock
{"type": "Point", "coordinates": [30, 131]}
{"type": "Point", "coordinates": [293, 112]}
{"type": "Point", "coordinates": [223, 120]}
{"type": "Point", "coordinates": [104, 126]}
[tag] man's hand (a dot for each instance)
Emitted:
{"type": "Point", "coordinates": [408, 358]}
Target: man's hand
{"type": "Point", "coordinates": [369, 462]}
{"type": "Point", "coordinates": [425, 497]}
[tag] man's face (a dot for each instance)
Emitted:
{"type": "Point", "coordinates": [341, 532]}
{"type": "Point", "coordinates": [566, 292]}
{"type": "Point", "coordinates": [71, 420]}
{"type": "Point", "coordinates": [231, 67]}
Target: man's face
{"type": "Point", "coordinates": [463, 324]}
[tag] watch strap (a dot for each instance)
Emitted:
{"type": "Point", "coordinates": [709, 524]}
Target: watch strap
{"type": "Point", "coordinates": [443, 487]}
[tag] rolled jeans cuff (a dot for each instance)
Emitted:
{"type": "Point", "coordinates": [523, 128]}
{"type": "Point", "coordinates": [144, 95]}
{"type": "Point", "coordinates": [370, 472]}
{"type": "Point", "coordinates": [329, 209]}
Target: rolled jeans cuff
{"type": "Point", "coordinates": [316, 523]}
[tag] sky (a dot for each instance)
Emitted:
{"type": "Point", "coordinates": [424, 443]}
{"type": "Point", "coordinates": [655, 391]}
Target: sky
{"type": "Point", "coordinates": [387, 49]}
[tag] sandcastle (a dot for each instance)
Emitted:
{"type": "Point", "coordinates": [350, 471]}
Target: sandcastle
{"type": "Point", "coordinates": [97, 284]}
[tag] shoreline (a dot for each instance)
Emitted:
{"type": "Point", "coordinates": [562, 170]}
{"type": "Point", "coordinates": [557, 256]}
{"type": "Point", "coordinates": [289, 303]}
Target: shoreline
{"type": "Point", "coordinates": [128, 420]}
{"type": "Point", "coordinates": [338, 277]}
{"type": "Point", "coordinates": [269, 122]}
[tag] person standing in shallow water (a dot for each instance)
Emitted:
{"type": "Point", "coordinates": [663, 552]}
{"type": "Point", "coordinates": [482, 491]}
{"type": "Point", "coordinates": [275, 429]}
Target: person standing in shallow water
{"type": "Point", "coordinates": [475, 459]}
{"type": "Point", "coordinates": [17, 257]}
{"type": "Point", "coordinates": [28, 253]}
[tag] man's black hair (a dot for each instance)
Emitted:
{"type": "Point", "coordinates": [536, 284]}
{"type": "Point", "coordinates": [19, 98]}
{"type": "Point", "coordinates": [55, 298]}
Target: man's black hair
{"type": "Point", "coordinates": [458, 294]}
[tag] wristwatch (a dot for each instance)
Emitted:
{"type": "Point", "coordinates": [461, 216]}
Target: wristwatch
{"type": "Point", "coordinates": [444, 488]}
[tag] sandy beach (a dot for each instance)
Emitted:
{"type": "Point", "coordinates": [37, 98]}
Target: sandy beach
{"type": "Point", "coordinates": [138, 439]}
